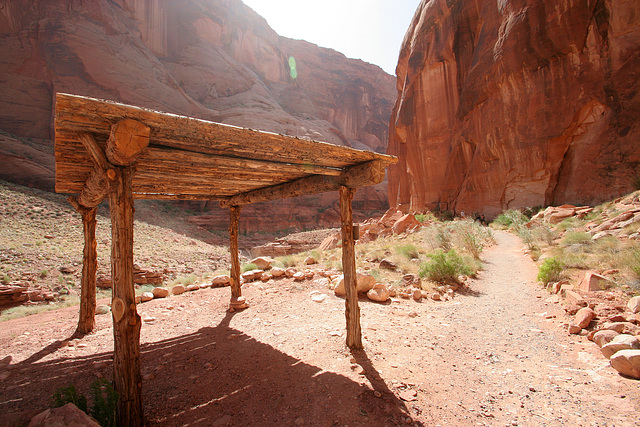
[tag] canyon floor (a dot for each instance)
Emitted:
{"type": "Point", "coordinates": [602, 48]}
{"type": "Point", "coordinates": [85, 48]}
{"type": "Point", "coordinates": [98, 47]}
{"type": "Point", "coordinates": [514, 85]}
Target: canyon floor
{"type": "Point", "coordinates": [496, 354]}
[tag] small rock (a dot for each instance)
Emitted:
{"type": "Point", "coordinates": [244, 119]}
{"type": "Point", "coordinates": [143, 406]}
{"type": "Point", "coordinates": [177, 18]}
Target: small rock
{"type": "Point", "coordinates": [263, 263]}
{"type": "Point", "coordinates": [66, 270]}
{"type": "Point", "coordinates": [574, 329]}
{"type": "Point", "coordinates": [265, 277]}
{"type": "Point", "coordinates": [103, 309]}
{"type": "Point", "coordinates": [178, 289]}
{"type": "Point", "coordinates": [604, 336]}
{"type": "Point", "coordinates": [591, 281]}
{"type": "Point", "coordinates": [634, 305]}
{"type": "Point", "coordinates": [225, 420]}
{"type": "Point", "coordinates": [620, 342]}
{"type": "Point", "coordinates": [627, 362]}
{"type": "Point", "coordinates": [376, 393]}
{"type": "Point", "coordinates": [436, 296]}
{"type": "Point", "coordinates": [310, 260]}
{"type": "Point", "coordinates": [623, 328]}
{"type": "Point", "coordinates": [574, 298]}
{"type": "Point", "coordinates": [299, 276]}
{"type": "Point", "coordinates": [584, 316]}
{"type": "Point", "coordinates": [277, 272]}
{"type": "Point", "coordinates": [388, 265]}
{"type": "Point", "coordinates": [251, 275]}
{"type": "Point", "coordinates": [160, 292]}
{"type": "Point", "coordinates": [289, 272]}
{"type": "Point", "coordinates": [6, 361]}
{"type": "Point", "coordinates": [379, 293]}
{"type": "Point", "coordinates": [408, 395]}
{"type": "Point", "coordinates": [417, 295]}
{"type": "Point", "coordinates": [221, 281]}
{"type": "Point", "coordinates": [193, 287]}
{"type": "Point", "coordinates": [67, 415]}
{"type": "Point", "coordinates": [319, 297]}
{"type": "Point", "coordinates": [148, 377]}
{"type": "Point", "coordinates": [146, 296]}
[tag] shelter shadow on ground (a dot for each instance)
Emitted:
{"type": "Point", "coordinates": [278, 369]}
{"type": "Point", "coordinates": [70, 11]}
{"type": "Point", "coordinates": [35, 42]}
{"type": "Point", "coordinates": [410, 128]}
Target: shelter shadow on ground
{"type": "Point", "coordinates": [218, 374]}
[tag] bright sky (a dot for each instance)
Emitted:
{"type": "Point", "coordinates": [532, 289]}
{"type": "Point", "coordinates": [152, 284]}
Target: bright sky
{"type": "Point", "coordinates": [371, 30]}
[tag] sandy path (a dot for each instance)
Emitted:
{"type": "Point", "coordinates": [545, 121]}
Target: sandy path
{"type": "Point", "coordinates": [494, 355]}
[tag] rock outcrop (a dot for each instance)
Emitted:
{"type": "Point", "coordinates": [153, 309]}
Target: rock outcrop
{"type": "Point", "coordinates": [212, 59]}
{"type": "Point", "coordinates": [516, 103]}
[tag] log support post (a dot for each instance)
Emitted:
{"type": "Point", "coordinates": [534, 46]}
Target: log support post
{"type": "Point", "coordinates": [87, 321]}
{"type": "Point", "coordinates": [126, 321]}
{"type": "Point", "coordinates": [352, 310]}
{"type": "Point", "coordinates": [237, 300]}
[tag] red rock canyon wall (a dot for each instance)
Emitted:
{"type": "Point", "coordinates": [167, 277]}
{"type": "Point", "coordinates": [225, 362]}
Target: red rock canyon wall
{"type": "Point", "coordinates": [212, 59]}
{"type": "Point", "coordinates": [512, 103]}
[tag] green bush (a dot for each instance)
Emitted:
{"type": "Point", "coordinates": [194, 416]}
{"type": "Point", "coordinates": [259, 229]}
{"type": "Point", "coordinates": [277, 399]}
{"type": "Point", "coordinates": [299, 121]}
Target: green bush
{"type": "Point", "coordinates": [248, 267]}
{"type": "Point", "coordinates": [446, 266]}
{"type": "Point", "coordinates": [68, 394]}
{"type": "Point", "coordinates": [510, 218]}
{"type": "Point", "coordinates": [550, 270]}
{"type": "Point", "coordinates": [576, 238]}
{"type": "Point", "coordinates": [407, 250]}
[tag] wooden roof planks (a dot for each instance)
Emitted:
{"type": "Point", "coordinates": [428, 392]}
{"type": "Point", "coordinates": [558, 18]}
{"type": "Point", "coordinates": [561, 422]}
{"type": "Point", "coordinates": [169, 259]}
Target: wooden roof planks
{"type": "Point", "coordinates": [190, 158]}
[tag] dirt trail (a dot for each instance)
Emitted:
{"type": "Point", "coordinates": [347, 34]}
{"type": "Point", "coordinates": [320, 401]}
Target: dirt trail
{"type": "Point", "coordinates": [494, 355]}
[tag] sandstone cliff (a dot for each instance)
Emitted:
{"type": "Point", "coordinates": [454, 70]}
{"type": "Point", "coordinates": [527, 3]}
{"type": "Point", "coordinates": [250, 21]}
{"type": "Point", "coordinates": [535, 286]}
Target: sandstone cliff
{"type": "Point", "coordinates": [512, 103]}
{"type": "Point", "coordinates": [212, 59]}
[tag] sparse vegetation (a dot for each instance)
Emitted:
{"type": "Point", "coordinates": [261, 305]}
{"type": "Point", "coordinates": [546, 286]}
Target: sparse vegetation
{"type": "Point", "coordinates": [446, 267]}
{"type": "Point", "coordinates": [104, 405]}
{"type": "Point", "coordinates": [248, 267]}
{"type": "Point", "coordinates": [550, 270]}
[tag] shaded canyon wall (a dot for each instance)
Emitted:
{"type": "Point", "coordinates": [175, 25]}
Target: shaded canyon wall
{"type": "Point", "coordinates": [513, 103]}
{"type": "Point", "coordinates": [213, 59]}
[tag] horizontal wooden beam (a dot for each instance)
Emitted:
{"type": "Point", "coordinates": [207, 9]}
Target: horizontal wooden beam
{"type": "Point", "coordinates": [362, 175]}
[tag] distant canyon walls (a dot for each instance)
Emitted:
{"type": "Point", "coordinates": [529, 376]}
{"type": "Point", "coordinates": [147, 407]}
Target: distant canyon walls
{"type": "Point", "coordinates": [213, 59]}
{"type": "Point", "coordinates": [511, 103]}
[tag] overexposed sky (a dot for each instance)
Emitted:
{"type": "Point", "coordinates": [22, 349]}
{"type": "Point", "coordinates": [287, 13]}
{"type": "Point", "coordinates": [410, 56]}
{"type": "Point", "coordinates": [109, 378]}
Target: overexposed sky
{"type": "Point", "coordinates": [371, 30]}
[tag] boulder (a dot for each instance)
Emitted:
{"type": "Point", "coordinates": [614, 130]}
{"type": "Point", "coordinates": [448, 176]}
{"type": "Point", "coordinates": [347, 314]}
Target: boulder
{"type": "Point", "coordinates": [262, 263]}
{"type": "Point", "coordinates": [592, 281]}
{"type": "Point", "coordinates": [379, 293]}
{"type": "Point", "coordinates": [627, 362]}
{"type": "Point", "coordinates": [277, 272]}
{"type": "Point", "coordinates": [620, 342]}
{"type": "Point", "coordinates": [584, 316]}
{"type": "Point", "coordinates": [146, 296]}
{"type": "Point", "coordinates": [574, 298]}
{"type": "Point", "coordinates": [160, 292]}
{"type": "Point", "coordinates": [634, 304]}
{"type": "Point", "coordinates": [406, 223]}
{"type": "Point", "coordinates": [221, 280]}
{"type": "Point", "coordinates": [364, 283]}
{"type": "Point", "coordinates": [388, 265]}
{"type": "Point", "coordinates": [251, 275]}
{"type": "Point", "coordinates": [604, 336]}
{"type": "Point", "coordinates": [178, 289]}
{"type": "Point", "coordinates": [289, 272]}
{"type": "Point", "coordinates": [65, 416]}
{"type": "Point", "coordinates": [623, 328]}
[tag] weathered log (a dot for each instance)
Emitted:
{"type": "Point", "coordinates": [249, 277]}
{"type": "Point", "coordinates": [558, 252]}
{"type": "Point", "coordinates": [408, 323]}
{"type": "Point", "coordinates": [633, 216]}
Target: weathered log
{"type": "Point", "coordinates": [87, 316]}
{"type": "Point", "coordinates": [95, 189]}
{"type": "Point", "coordinates": [95, 151]}
{"type": "Point", "coordinates": [127, 141]}
{"type": "Point", "coordinates": [352, 310]}
{"type": "Point", "coordinates": [234, 218]}
{"type": "Point", "coordinates": [126, 321]}
{"type": "Point", "coordinates": [357, 176]}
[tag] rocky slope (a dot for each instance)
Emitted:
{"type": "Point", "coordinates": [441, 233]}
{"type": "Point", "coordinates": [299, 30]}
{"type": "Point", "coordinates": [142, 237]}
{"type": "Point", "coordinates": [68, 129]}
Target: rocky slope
{"type": "Point", "coordinates": [516, 103]}
{"type": "Point", "coordinates": [216, 60]}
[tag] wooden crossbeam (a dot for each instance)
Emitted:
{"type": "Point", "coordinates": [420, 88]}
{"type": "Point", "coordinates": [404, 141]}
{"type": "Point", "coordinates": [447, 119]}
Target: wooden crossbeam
{"type": "Point", "coordinates": [361, 175]}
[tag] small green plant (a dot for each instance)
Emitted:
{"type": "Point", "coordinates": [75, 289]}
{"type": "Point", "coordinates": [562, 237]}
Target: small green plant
{"type": "Point", "coordinates": [68, 394]}
{"type": "Point", "coordinates": [407, 250]}
{"type": "Point", "coordinates": [443, 238]}
{"type": "Point", "coordinates": [6, 279]}
{"type": "Point", "coordinates": [446, 266]}
{"type": "Point", "coordinates": [510, 218]}
{"type": "Point", "coordinates": [105, 402]}
{"type": "Point", "coordinates": [576, 238]}
{"type": "Point", "coordinates": [550, 270]}
{"type": "Point", "coordinates": [248, 267]}
{"type": "Point", "coordinates": [44, 273]}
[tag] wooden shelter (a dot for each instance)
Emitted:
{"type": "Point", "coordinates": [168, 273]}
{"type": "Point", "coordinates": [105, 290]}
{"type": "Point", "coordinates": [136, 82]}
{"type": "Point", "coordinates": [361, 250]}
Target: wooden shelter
{"type": "Point", "coordinates": [109, 150]}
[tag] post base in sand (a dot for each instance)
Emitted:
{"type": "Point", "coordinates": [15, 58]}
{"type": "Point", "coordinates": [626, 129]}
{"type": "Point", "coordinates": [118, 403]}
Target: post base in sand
{"type": "Point", "coordinates": [239, 303]}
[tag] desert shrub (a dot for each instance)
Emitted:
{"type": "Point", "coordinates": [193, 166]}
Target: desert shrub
{"type": "Point", "coordinates": [527, 237]}
{"type": "Point", "coordinates": [68, 394]}
{"type": "Point", "coordinates": [550, 270]}
{"type": "Point", "coordinates": [443, 238]}
{"type": "Point", "coordinates": [407, 250]}
{"type": "Point", "coordinates": [105, 403]}
{"type": "Point", "coordinates": [510, 218]}
{"type": "Point", "coordinates": [576, 238]}
{"type": "Point", "coordinates": [633, 261]}
{"type": "Point", "coordinates": [544, 233]}
{"type": "Point", "coordinates": [425, 217]}
{"type": "Point", "coordinates": [446, 266]}
{"type": "Point", "coordinates": [248, 267]}
{"type": "Point", "coordinates": [470, 236]}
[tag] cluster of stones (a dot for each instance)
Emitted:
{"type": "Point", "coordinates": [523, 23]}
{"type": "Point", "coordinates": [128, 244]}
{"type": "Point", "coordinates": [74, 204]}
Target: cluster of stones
{"type": "Point", "coordinates": [18, 292]}
{"type": "Point", "coordinates": [141, 276]}
{"type": "Point", "coordinates": [616, 334]}
{"type": "Point", "coordinates": [392, 223]}
{"type": "Point", "coordinates": [624, 212]}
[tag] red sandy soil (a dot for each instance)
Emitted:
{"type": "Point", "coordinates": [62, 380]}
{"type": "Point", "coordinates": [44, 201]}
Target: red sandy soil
{"type": "Point", "coordinates": [495, 355]}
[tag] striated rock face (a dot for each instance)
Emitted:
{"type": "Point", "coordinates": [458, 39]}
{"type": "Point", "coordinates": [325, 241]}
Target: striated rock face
{"type": "Point", "coordinates": [213, 59]}
{"type": "Point", "coordinates": [513, 103]}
